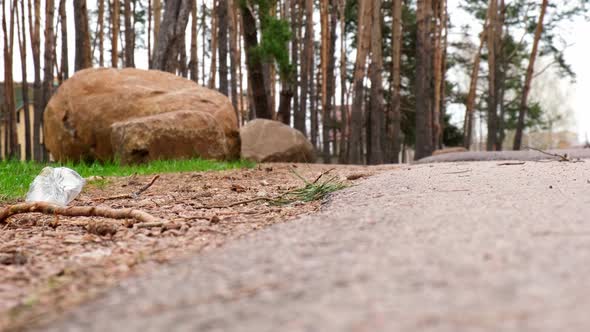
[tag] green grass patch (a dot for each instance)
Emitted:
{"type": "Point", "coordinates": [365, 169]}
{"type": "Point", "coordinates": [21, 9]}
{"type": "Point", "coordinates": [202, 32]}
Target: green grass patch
{"type": "Point", "coordinates": [15, 176]}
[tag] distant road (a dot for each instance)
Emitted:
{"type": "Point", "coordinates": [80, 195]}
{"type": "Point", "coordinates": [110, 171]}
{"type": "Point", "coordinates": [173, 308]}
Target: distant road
{"type": "Point", "coordinates": [503, 155]}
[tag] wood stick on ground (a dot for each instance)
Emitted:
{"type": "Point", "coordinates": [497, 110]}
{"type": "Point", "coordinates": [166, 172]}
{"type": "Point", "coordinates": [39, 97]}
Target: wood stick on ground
{"type": "Point", "coordinates": [134, 195]}
{"type": "Point", "coordinates": [236, 203]}
{"type": "Point", "coordinates": [561, 157]}
{"type": "Point", "coordinates": [76, 211]}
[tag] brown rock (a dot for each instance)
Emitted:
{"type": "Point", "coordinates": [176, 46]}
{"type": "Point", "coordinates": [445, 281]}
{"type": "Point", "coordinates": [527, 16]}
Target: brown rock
{"type": "Point", "coordinates": [272, 141]}
{"type": "Point", "coordinates": [180, 134]}
{"type": "Point", "coordinates": [449, 150]}
{"type": "Point", "coordinates": [78, 119]}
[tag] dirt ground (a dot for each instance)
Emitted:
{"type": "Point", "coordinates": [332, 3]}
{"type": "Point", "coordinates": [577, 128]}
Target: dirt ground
{"type": "Point", "coordinates": [49, 263]}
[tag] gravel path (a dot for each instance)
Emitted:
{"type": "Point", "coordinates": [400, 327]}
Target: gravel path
{"type": "Point", "coordinates": [431, 247]}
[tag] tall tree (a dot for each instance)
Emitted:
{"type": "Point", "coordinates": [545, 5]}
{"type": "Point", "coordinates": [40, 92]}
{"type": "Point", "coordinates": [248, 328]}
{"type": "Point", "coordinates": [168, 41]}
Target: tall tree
{"type": "Point", "coordinates": [234, 57]}
{"type": "Point", "coordinates": [83, 57]}
{"type": "Point", "coordinates": [471, 95]}
{"type": "Point", "coordinates": [306, 68]}
{"type": "Point", "coordinates": [22, 43]}
{"type": "Point", "coordinates": [395, 123]}
{"type": "Point", "coordinates": [64, 73]}
{"type": "Point", "coordinates": [157, 7]}
{"type": "Point", "coordinates": [424, 92]}
{"type": "Point", "coordinates": [129, 34]}
{"type": "Point", "coordinates": [34, 34]}
{"type": "Point", "coordinates": [115, 22]}
{"type": "Point", "coordinates": [377, 116]}
{"type": "Point", "coordinates": [174, 24]}
{"type": "Point", "coordinates": [11, 144]}
{"type": "Point", "coordinates": [440, 26]}
{"type": "Point", "coordinates": [256, 78]}
{"type": "Point", "coordinates": [529, 78]}
{"type": "Point", "coordinates": [213, 62]}
{"type": "Point", "coordinates": [222, 30]}
{"type": "Point", "coordinates": [49, 59]}
{"type": "Point", "coordinates": [365, 14]}
{"type": "Point", "coordinates": [194, 57]}
{"type": "Point", "coordinates": [101, 33]}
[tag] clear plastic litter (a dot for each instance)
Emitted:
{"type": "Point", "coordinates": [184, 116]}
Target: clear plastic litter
{"type": "Point", "coordinates": [59, 186]}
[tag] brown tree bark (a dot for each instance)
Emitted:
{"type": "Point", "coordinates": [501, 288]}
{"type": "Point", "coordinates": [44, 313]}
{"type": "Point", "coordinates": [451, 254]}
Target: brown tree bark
{"type": "Point", "coordinates": [355, 153]}
{"type": "Point", "coordinates": [157, 7]}
{"type": "Point", "coordinates": [395, 123]}
{"type": "Point", "coordinates": [115, 22]}
{"type": "Point", "coordinates": [376, 155]}
{"type": "Point", "coordinates": [176, 15]}
{"type": "Point", "coordinates": [213, 68]}
{"type": "Point", "coordinates": [256, 79]}
{"type": "Point", "coordinates": [83, 56]}
{"type": "Point", "coordinates": [470, 103]}
{"type": "Point", "coordinates": [233, 50]}
{"type": "Point", "coordinates": [34, 19]}
{"type": "Point", "coordinates": [22, 43]}
{"type": "Point", "coordinates": [344, 112]}
{"type": "Point", "coordinates": [295, 17]}
{"type": "Point", "coordinates": [529, 78]}
{"type": "Point", "coordinates": [306, 68]}
{"type": "Point", "coordinates": [439, 33]}
{"type": "Point", "coordinates": [424, 92]}
{"type": "Point", "coordinates": [222, 31]}
{"type": "Point", "coordinates": [129, 35]}
{"type": "Point", "coordinates": [62, 74]}
{"type": "Point", "coordinates": [324, 59]}
{"type": "Point", "coordinates": [9, 103]}
{"type": "Point", "coordinates": [492, 43]}
{"type": "Point", "coordinates": [101, 33]}
{"type": "Point", "coordinates": [194, 57]}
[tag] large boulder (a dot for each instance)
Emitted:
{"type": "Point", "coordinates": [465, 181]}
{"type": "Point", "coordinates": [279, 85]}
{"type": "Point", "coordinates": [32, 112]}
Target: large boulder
{"type": "Point", "coordinates": [272, 141]}
{"type": "Point", "coordinates": [155, 114]}
{"type": "Point", "coordinates": [180, 134]}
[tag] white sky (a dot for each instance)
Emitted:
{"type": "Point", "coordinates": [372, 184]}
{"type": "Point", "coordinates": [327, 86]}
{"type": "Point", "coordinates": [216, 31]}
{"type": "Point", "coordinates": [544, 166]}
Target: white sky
{"type": "Point", "coordinates": [574, 32]}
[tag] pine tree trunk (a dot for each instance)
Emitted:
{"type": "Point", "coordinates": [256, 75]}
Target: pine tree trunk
{"type": "Point", "coordinates": [34, 35]}
{"type": "Point", "coordinates": [306, 68]}
{"type": "Point", "coordinates": [213, 68]}
{"type": "Point", "coordinates": [63, 74]}
{"type": "Point", "coordinates": [395, 127]}
{"type": "Point", "coordinates": [194, 62]}
{"type": "Point", "coordinates": [129, 35]}
{"type": "Point", "coordinates": [9, 103]}
{"type": "Point", "coordinates": [344, 119]}
{"type": "Point", "coordinates": [376, 102]}
{"type": "Point", "coordinates": [295, 15]}
{"type": "Point", "coordinates": [471, 95]}
{"type": "Point", "coordinates": [256, 76]}
{"type": "Point", "coordinates": [172, 29]}
{"type": "Point", "coordinates": [157, 22]}
{"type": "Point", "coordinates": [233, 59]}
{"type": "Point", "coordinates": [22, 43]}
{"type": "Point", "coordinates": [355, 153]}
{"type": "Point", "coordinates": [222, 31]}
{"type": "Point", "coordinates": [438, 73]}
{"type": "Point", "coordinates": [101, 33]}
{"type": "Point", "coordinates": [492, 38]}
{"type": "Point", "coordinates": [324, 53]}
{"type": "Point", "coordinates": [529, 78]}
{"type": "Point", "coordinates": [49, 59]}
{"type": "Point", "coordinates": [424, 93]}
{"type": "Point", "coordinates": [115, 34]}
{"type": "Point", "coordinates": [83, 56]}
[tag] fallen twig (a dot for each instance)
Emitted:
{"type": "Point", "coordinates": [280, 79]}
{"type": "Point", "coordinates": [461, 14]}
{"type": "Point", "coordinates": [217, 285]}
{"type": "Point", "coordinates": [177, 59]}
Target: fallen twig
{"type": "Point", "coordinates": [134, 195]}
{"type": "Point", "coordinates": [512, 163]}
{"type": "Point", "coordinates": [563, 157]}
{"type": "Point", "coordinates": [236, 203]}
{"type": "Point", "coordinates": [76, 211]}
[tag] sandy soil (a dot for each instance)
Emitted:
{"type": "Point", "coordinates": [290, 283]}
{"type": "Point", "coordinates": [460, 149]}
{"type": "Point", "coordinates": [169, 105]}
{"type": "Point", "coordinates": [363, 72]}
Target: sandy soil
{"type": "Point", "coordinates": [49, 264]}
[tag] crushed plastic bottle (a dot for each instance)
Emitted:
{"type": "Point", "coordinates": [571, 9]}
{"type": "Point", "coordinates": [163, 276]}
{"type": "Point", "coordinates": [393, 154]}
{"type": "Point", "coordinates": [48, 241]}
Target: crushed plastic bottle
{"type": "Point", "coordinates": [59, 185]}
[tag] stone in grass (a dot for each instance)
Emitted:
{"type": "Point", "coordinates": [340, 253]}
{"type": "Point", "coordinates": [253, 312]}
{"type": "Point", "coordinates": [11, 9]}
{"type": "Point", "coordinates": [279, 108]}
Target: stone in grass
{"type": "Point", "coordinates": [272, 141]}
